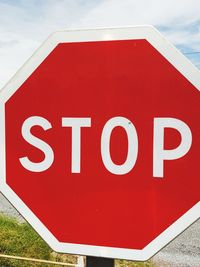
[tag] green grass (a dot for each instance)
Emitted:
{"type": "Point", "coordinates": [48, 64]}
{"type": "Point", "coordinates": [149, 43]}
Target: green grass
{"type": "Point", "coordinates": [123, 263]}
{"type": "Point", "coordinates": [19, 239]}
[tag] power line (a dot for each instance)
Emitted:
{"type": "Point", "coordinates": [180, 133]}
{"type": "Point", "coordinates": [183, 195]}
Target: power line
{"type": "Point", "coordinates": [190, 53]}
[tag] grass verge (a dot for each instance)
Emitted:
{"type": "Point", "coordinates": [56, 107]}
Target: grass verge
{"type": "Point", "coordinates": [19, 239]}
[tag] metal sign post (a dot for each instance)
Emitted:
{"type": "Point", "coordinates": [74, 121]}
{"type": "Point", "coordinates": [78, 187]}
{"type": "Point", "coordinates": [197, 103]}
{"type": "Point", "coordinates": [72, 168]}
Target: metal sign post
{"type": "Point", "coordinates": [99, 262]}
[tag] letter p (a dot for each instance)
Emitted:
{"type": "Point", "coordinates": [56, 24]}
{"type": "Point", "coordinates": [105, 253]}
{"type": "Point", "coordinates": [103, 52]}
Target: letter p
{"type": "Point", "coordinates": [159, 153]}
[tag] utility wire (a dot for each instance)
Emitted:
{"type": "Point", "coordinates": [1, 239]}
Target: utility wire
{"type": "Point", "coordinates": [189, 53]}
{"type": "Point", "coordinates": [37, 260]}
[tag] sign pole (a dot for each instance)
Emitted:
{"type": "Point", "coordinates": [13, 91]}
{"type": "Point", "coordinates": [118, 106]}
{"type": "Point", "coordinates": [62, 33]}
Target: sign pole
{"type": "Point", "coordinates": [99, 262]}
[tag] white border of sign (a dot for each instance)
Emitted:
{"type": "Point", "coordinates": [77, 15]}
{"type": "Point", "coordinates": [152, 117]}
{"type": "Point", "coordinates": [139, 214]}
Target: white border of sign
{"type": "Point", "coordinates": [182, 64]}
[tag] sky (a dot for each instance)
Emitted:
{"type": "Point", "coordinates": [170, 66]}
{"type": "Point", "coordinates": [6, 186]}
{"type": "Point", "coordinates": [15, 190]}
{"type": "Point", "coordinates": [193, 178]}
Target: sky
{"type": "Point", "coordinates": [25, 24]}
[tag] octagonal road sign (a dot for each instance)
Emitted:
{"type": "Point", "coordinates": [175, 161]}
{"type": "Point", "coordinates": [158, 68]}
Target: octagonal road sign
{"type": "Point", "coordinates": [100, 142]}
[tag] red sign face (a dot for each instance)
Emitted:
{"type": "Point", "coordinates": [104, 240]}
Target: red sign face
{"type": "Point", "coordinates": [102, 142]}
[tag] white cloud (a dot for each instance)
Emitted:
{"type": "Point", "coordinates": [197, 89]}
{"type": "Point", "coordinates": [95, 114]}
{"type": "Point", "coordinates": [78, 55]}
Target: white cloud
{"type": "Point", "coordinates": [145, 12]}
{"type": "Point", "coordinates": [24, 27]}
{"type": "Point", "coordinates": [25, 24]}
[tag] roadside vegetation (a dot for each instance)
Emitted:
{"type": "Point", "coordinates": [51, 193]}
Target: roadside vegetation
{"type": "Point", "coordinates": [19, 239]}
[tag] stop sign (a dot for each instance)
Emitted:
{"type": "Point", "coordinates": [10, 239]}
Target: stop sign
{"type": "Point", "coordinates": [100, 142]}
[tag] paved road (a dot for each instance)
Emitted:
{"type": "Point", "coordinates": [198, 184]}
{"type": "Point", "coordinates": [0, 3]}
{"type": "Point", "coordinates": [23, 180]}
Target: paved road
{"type": "Point", "coordinates": [7, 208]}
{"type": "Point", "coordinates": [184, 251]}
